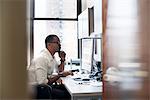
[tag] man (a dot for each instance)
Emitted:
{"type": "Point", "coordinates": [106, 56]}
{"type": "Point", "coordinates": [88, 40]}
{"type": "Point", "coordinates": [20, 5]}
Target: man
{"type": "Point", "coordinates": [42, 67]}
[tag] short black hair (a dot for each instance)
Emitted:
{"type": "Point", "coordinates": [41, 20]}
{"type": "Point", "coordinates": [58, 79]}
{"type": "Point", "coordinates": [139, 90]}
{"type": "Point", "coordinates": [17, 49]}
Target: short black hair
{"type": "Point", "coordinates": [50, 39]}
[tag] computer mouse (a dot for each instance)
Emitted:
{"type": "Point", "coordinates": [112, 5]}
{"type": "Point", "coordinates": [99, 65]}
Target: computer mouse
{"type": "Point", "coordinates": [86, 79]}
{"type": "Point", "coordinates": [77, 79]}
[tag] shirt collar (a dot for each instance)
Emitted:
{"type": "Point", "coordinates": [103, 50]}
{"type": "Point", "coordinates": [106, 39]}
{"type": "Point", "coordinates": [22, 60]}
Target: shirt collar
{"type": "Point", "coordinates": [48, 53]}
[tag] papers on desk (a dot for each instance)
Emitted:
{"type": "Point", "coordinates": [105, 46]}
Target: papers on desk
{"type": "Point", "coordinates": [96, 83]}
{"type": "Point", "coordinates": [83, 79]}
{"type": "Point", "coordinates": [90, 82]}
{"type": "Point", "coordinates": [82, 83]}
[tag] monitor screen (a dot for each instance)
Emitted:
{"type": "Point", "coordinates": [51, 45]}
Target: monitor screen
{"type": "Point", "coordinates": [87, 55]}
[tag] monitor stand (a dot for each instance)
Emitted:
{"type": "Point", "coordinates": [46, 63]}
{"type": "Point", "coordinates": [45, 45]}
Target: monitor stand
{"type": "Point", "coordinates": [97, 75]}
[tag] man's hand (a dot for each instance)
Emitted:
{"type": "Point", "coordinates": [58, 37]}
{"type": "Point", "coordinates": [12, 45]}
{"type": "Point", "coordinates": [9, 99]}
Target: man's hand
{"type": "Point", "coordinates": [65, 73]}
{"type": "Point", "coordinates": [59, 81]}
{"type": "Point", "coordinates": [62, 55]}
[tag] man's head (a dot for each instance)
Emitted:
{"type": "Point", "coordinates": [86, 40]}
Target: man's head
{"type": "Point", "coordinates": [52, 42]}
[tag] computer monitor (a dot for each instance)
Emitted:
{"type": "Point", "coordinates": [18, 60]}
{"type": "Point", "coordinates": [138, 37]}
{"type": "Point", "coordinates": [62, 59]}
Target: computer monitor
{"type": "Point", "coordinates": [86, 23]}
{"type": "Point", "coordinates": [87, 55]}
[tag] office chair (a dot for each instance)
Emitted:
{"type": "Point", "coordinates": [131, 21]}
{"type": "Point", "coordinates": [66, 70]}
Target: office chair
{"type": "Point", "coordinates": [43, 91]}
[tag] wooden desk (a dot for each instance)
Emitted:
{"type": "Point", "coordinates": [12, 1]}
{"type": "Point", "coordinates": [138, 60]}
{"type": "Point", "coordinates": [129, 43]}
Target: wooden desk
{"type": "Point", "coordinates": [84, 91]}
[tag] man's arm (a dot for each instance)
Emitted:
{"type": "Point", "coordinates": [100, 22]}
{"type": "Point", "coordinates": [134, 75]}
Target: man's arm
{"type": "Point", "coordinates": [61, 66]}
{"type": "Point", "coordinates": [54, 78]}
{"type": "Point", "coordinates": [62, 56]}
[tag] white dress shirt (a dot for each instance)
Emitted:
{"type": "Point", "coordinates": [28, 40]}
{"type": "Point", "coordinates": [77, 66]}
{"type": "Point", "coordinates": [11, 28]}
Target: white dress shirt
{"type": "Point", "coordinates": [41, 67]}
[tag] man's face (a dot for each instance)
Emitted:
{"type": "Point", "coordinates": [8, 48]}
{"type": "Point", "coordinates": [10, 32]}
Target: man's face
{"type": "Point", "coordinates": [56, 44]}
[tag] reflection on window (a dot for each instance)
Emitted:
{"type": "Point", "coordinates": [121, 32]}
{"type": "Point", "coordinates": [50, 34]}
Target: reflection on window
{"type": "Point", "coordinates": [66, 30]}
{"type": "Point", "coordinates": [56, 8]}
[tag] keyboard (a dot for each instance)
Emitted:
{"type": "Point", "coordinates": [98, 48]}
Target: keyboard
{"type": "Point", "coordinates": [80, 77]}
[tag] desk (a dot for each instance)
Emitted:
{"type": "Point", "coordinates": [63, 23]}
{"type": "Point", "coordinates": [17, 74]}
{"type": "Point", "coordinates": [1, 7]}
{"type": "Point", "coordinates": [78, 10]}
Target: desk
{"type": "Point", "coordinates": [82, 91]}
